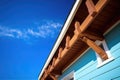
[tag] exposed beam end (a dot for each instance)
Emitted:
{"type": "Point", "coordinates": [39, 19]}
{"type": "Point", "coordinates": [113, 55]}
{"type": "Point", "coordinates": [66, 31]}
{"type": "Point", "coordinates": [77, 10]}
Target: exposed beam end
{"type": "Point", "coordinates": [91, 8]}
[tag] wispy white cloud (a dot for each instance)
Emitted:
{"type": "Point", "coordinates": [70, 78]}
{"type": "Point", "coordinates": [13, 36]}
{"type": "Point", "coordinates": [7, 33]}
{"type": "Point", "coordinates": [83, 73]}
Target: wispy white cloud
{"type": "Point", "coordinates": [48, 29]}
{"type": "Point", "coordinates": [5, 31]}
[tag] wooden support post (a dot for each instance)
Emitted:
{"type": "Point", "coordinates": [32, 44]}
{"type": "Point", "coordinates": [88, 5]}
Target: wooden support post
{"type": "Point", "coordinates": [91, 8]}
{"type": "Point", "coordinates": [53, 77]}
{"type": "Point", "coordinates": [77, 28]}
{"type": "Point", "coordinates": [67, 42]}
{"type": "Point", "coordinates": [59, 53]}
{"type": "Point", "coordinates": [95, 47]}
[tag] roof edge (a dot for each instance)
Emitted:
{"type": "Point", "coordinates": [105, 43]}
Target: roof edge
{"type": "Point", "coordinates": [62, 34]}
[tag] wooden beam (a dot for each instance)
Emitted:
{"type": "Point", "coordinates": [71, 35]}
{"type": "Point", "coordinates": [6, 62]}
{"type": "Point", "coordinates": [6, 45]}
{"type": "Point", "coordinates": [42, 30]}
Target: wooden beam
{"type": "Point", "coordinates": [77, 28]}
{"type": "Point", "coordinates": [51, 68]}
{"type": "Point", "coordinates": [91, 8]}
{"type": "Point", "coordinates": [57, 72]}
{"type": "Point", "coordinates": [45, 74]}
{"type": "Point", "coordinates": [53, 65]}
{"type": "Point", "coordinates": [84, 26]}
{"type": "Point", "coordinates": [53, 77]}
{"type": "Point", "coordinates": [93, 35]}
{"type": "Point", "coordinates": [46, 71]}
{"type": "Point", "coordinates": [57, 61]}
{"type": "Point", "coordinates": [89, 34]}
{"type": "Point", "coordinates": [42, 78]}
{"type": "Point", "coordinates": [67, 46]}
{"type": "Point", "coordinates": [86, 23]}
{"type": "Point", "coordinates": [53, 62]}
{"type": "Point", "coordinates": [99, 6]}
{"type": "Point", "coordinates": [95, 47]}
{"type": "Point", "coordinates": [60, 52]}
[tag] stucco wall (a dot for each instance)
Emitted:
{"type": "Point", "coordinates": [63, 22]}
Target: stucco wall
{"type": "Point", "coordinates": [85, 68]}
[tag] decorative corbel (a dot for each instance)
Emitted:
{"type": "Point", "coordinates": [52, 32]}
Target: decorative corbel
{"type": "Point", "coordinates": [53, 77]}
{"type": "Point", "coordinates": [67, 45]}
{"type": "Point", "coordinates": [93, 35]}
{"type": "Point", "coordinates": [59, 53]}
{"type": "Point", "coordinates": [91, 8]}
{"type": "Point", "coordinates": [49, 68]}
{"type": "Point", "coordinates": [77, 28]}
{"type": "Point", "coordinates": [95, 47]}
{"type": "Point", "coordinates": [45, 73]}
{"type": "Point", "coordinates": [53, 62]}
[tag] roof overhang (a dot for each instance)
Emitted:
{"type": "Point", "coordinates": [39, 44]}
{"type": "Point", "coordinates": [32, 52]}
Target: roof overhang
{"type": "Point", "coordinates": [87, 22]}
{"type": "Point", "coordinates": [63, 32]}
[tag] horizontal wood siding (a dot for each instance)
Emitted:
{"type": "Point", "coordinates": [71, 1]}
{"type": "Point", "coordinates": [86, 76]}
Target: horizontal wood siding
{"type": "Point", "coordinates": [85, 67]}
{"type": "Point", "coordinates": [78, 66]}
{"type": "Point", "coordinates": [116, 78]}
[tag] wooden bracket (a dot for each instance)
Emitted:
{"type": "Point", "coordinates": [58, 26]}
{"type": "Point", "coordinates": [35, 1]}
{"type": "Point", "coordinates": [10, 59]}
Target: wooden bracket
{"type": "Point", "coordinates": [91, 8]}
{"type": "Point", "coordinates": [95, 47]}
{"type": "Point", "coordinates": [67, 42]}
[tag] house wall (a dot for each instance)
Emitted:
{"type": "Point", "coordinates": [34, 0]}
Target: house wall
{"type": "Point", "coordinates": [85, 68]}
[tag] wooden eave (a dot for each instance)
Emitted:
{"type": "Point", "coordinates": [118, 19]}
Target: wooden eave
{"type": "Point", "coordinates": [85, 24]}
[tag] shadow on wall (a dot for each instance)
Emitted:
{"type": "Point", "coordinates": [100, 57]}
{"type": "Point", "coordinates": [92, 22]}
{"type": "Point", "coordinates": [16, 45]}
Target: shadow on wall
{"type": "Point", "coordinates": [87, 59]}
{"type": "Point", "coordinates": [113, 38]}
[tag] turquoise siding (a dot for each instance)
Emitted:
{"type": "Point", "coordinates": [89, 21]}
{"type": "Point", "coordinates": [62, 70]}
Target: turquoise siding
{"type": "Point", "coordinates": [85, 68]}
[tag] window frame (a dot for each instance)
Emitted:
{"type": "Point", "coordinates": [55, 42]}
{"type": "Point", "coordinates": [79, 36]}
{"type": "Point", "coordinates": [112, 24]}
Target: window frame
{"type": "Point", "coordinates": [100, 61]}
{"type": "Point", "coordinates": [69, 76]}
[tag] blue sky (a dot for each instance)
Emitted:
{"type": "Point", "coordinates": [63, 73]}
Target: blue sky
{"type": "Point", "coordinates": [28, 31]}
